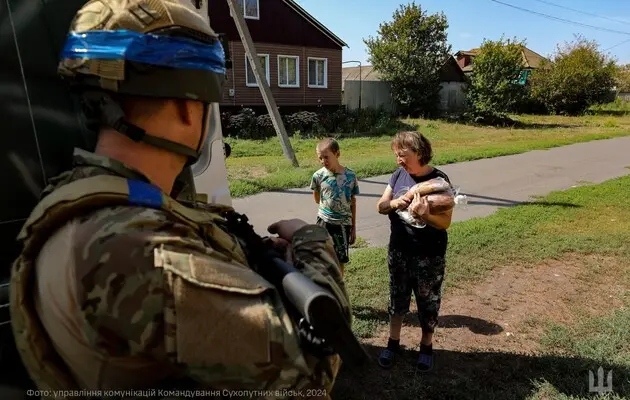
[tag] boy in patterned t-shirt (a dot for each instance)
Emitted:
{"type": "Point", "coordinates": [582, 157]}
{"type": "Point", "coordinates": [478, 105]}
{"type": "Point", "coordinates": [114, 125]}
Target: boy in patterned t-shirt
{"type": "Point", "coordinates": [334, 189]}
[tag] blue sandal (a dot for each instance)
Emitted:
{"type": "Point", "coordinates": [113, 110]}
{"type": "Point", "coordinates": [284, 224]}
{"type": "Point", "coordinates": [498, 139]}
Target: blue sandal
{"type": "Point", "coordinates": [425, 362]}
{"type": "Point", "coordinates": [386, 359]}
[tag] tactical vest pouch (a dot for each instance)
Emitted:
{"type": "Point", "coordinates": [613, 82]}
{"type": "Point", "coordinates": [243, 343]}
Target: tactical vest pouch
{"type": "Point", "coordinates": [210, 290]}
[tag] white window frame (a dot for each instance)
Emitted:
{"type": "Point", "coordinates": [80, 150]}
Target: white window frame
{"type": "Point", "coordinates": [308, 67]}
{"type": "Point", "coordinates": [241, 3]}
{"type": "Point", "coordinates": [297, 72]}
{"type": "Point", "coordinates": [267, 71]}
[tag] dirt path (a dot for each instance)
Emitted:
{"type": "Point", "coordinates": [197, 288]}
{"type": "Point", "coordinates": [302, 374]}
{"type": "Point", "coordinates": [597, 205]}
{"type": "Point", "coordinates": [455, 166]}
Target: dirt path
{"type": "Point", "coordinates": [492, 327]}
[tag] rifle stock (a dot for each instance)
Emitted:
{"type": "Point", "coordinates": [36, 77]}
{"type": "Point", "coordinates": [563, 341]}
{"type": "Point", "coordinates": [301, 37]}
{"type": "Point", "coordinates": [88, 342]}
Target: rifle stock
{"type": "Point", "coordinates": [319, 308]}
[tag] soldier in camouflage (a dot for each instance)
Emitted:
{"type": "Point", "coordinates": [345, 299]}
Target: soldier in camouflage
{"type": "Point", "coordinates": [119, 286]}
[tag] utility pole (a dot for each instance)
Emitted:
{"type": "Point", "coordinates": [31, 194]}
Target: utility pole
{"type": "Point", "coordinates": [252, 55]}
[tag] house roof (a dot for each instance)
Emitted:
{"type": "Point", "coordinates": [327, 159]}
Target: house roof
{"type": "Point", "coordinates": [303, 13]}
{"type": "Point", "coordinates": [368, 73]}
{"type": "Point", "coordinates": [531, 59]}
{"type": "Point", "coordinates": [451, 71]}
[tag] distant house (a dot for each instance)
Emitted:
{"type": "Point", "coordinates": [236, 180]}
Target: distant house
{"type": "Point", "coordinates": [531, 60]}
{"type": "Point", "coordinates": [300, 56]}
{"type": "Point", "coordinates": [375, 92]}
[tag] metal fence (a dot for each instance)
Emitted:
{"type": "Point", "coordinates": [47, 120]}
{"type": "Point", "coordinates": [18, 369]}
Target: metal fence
{"type": "Point", "coordinates": [369, 94]}
{"type": "Point", "coordinates": [375, 94]}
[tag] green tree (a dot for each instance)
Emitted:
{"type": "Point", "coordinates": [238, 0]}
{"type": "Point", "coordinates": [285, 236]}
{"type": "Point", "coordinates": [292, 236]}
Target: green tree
{"type": "Point", "coordinates": [495, 88]}
{"type": "Point", "coordinates": [409, 52]}
{"type": "Point", "coordinates": [577, 76]}
{"type": "Point", "coordinates": [622, 78]}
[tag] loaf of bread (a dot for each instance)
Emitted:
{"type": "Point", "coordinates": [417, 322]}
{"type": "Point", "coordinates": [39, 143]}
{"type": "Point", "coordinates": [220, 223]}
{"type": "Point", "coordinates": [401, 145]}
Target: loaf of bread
{"type": "Point", "coordinates": [428, 187]}
{"type": "Point", "coordinates": [440, 203]}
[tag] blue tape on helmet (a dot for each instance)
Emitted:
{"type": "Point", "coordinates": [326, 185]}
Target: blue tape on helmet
{"type": "Point", "coordinates": [166, 51]}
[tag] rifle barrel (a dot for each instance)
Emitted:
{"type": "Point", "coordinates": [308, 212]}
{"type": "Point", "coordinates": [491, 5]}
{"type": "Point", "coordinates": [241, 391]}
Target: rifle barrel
{"type": "Point", "coordinates": [321, 310]}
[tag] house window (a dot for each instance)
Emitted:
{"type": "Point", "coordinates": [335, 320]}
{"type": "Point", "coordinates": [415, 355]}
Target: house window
{"type": "Point", "coordinates": [288, 71]}
{"type": "Point", "coordinates": [250, 78]}
{"type": "Point", "coordinates": [250, 8]}
{"type": "Point", "coordinates": [317, 72]}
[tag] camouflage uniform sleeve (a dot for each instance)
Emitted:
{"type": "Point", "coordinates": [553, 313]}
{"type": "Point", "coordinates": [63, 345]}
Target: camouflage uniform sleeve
{"type": "Point", "coordinates": [314, 255]}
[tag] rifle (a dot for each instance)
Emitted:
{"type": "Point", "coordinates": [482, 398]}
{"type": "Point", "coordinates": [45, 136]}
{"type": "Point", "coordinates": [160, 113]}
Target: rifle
{"type": "Point", "coordinates": [321, 322]}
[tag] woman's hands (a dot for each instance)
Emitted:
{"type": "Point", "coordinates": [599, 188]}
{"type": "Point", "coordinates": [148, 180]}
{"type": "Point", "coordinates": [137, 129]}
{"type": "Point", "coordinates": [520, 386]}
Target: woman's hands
{"type": "Point", "coordinates": [400, 203]}
{"type": "Point", "coordinates": [419, 207]}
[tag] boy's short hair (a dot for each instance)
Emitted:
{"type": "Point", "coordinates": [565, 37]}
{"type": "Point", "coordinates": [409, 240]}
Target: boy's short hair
{"type": "Point", "coordinates": [328, 143]}
{"type": "Point", "coordinates": [416, 142]}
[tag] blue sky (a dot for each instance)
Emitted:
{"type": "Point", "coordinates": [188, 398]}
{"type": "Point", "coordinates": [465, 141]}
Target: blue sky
{"type": "Point", "coordinates": [470, 21]}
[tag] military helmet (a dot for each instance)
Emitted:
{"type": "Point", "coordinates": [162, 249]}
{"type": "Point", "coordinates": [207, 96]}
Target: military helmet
{"type": "Point", "coordinates": [148, 48]}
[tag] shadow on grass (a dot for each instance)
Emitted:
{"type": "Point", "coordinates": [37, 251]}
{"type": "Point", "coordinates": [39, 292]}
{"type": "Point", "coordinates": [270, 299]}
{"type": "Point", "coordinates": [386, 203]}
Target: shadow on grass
{"type": "Point", "coordinates": [504, 122]}
{"type": "Point", "coordinates": [611, 113]}
{"type": "Point", "coordinates": [535, 125]}
{"type": "Point", "coordinates": [390, 130]}
{"type": "Point", "coordinates": [475, 375]}
{"type": "Point", "coordinates": [476, 325]}
{"type": "Point", "coordinates": [499, 202]}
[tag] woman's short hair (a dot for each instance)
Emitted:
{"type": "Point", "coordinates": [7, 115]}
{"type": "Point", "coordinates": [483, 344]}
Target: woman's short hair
{"type": "Point", "coordinates": [416, 142]}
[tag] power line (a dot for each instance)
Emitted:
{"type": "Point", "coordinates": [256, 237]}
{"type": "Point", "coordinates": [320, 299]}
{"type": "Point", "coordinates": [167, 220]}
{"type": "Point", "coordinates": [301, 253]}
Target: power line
{"type": "Point", "coordinates": [582, 12]}
{"type": "Point", "coordinates": [618, 44]}
{"type": "Point", "coordinates": [562, 19]}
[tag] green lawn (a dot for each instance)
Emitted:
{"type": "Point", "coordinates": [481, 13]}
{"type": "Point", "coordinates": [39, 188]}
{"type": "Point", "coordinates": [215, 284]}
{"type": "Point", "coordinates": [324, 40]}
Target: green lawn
{"type": "Point", "coordinates": [587, 220]}
{"type": "Point", "coordinates": [257, 166]}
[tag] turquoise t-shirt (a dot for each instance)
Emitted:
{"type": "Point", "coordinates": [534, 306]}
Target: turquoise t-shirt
{"type": "Point", "coordinates": [335, 191]}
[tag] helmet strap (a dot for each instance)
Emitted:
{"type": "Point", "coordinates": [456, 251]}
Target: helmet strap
{"type": "Point", "coordinates": [113, 116]}
{"type": "Point", "coordinates": [204, 128]}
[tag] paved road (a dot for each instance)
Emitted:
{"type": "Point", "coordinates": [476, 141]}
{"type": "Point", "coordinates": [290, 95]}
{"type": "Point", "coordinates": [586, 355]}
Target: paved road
{"type": "Point", "coordinates": [490, 184]}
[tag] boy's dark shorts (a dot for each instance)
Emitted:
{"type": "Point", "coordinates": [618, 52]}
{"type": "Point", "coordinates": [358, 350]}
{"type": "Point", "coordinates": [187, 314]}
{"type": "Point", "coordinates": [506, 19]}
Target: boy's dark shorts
{"type": "Point", "coordinates": [422, 275]}
{"type": "Point", "coordinates": [341, 238]}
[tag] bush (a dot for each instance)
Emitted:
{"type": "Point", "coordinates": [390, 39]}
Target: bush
{"type": "Point", "coordinates": [247, 125]}
{"type": "Point", "coordinates": [577, 77]}
{"type": "Point", "coordinates": [494, 88]}
{"type": "Point", "coordinates": [303, 121]}
{"type": "Point", "coordinates": [622, 78]}
{"type": "Point", "coordinates": [244, 123]}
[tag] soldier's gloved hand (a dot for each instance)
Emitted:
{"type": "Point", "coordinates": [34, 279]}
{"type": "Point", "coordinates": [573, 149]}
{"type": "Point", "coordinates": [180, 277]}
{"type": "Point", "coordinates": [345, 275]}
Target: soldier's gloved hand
{"type": "Point", "coordinates": [286, 228]}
